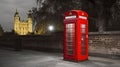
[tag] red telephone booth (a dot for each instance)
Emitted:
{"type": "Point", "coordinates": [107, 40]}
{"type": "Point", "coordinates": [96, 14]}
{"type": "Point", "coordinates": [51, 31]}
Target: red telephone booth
{"type": "Point", "coordinates": [76, 35]}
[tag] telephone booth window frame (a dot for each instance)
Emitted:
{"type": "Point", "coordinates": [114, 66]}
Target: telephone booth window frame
{"type": "Point", "coordinates": [83, 39]}
{"type": "Point", "coordinates": [70, 36]}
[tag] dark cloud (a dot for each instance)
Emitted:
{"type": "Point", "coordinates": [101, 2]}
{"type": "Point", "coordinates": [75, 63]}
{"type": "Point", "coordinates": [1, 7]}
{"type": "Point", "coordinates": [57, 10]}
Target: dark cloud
{"type": "Point", "coordinates": [7, 10]}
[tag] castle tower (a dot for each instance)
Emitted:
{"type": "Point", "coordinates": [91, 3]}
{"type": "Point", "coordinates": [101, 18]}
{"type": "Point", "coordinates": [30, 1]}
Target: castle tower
{"type": "Point", "coordinates": [16, 16]}
{"type": "Point", "coordinates": [16, 21]}
{"type": "Point", "coordinates": [30, 21]}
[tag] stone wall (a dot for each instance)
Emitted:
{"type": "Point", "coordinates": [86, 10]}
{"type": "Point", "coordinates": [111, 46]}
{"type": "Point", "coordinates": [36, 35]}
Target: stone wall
{"type": "Point", "coordinates": [37, 42]}
{"type": "Point", "coordinates": [107, 43]}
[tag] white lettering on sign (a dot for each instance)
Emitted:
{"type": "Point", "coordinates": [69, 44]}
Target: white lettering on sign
{"type": "Point", "coordinates": [73, 17]}
{"type": "Point", "coordinates": [70, 17]}
{"type": "Point", "coordinates": [83, 17]}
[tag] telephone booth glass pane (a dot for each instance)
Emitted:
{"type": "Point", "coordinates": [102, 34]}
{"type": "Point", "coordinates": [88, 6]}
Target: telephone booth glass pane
{"type": "Point", "coordinates": [70, 30]}
{"type": "Point", "coordinates": [83, 39]}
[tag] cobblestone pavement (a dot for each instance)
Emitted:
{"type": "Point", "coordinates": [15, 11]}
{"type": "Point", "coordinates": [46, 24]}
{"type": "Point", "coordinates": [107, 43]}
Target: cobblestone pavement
{"type": "Point", "coordinates": [29, 58]}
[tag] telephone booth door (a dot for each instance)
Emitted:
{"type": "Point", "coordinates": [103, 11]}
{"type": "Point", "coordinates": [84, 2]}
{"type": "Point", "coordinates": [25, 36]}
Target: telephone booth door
{"type": "Point", "coordinates": [83, 39]}
{"type": "Point", "coordinates": [70, 39]}
{"type": "Point", "coordinates": [82, 45]}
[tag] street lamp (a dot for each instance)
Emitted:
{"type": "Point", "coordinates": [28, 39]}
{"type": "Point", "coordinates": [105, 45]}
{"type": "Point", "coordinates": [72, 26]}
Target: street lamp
{"type": "Point", "coordinates": [51, 28]}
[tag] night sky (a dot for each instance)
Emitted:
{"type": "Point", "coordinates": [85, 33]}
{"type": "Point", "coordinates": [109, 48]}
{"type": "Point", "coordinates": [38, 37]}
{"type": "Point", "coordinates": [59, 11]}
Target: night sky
{"type": "Point", "coordinates": [8, 8]}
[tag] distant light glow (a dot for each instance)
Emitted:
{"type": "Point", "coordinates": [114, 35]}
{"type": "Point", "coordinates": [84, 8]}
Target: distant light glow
{"type": "Point", "coordinates": [51, 28]}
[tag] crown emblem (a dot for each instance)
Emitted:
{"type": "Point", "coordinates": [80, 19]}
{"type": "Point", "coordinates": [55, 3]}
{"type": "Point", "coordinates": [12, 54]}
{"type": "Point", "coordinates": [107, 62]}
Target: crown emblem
{"type": "Point", "coordinates": [82, 13]}
{"type": "Point", "coordinates": [70, 13]}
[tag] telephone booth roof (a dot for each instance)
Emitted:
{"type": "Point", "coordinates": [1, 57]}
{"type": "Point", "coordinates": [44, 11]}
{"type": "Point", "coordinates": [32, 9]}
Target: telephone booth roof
{"type": "Point", "coordinates": [75, 14]}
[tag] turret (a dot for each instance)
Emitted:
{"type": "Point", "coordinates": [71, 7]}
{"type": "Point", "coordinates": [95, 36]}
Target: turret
{"type": "Point", "coordinates": [30, 21]}
{"type": "Point", "coordinates": [29, 17]}
{"type": "Point", "coordinates": [16, 16]}
{"type": "Point", "coordinates": [16, 21]}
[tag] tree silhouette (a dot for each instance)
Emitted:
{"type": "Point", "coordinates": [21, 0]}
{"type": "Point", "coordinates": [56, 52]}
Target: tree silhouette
{"type": "Point", "coordinates": [102, 13]}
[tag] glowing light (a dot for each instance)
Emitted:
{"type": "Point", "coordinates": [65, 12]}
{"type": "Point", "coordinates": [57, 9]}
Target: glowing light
{"type": "Point", "coordinates": [51, 28]}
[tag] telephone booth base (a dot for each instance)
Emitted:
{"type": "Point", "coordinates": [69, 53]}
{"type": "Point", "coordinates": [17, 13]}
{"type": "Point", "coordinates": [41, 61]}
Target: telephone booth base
{"type": "Point", "coordinates": [75, 59]}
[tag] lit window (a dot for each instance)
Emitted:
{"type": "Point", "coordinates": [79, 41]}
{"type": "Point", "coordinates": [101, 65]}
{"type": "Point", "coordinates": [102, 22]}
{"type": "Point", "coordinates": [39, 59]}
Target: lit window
{"type": "Point", "coordinates": [82, 25]}
{"type": "Point", "coordinates": [70, 32]}
{"type": "Point", "coordinates": [83, 28]}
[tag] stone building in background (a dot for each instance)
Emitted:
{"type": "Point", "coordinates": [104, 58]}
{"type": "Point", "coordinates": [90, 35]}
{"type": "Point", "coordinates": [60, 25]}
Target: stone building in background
{"type": "Point", "coordinates": [22, 27]}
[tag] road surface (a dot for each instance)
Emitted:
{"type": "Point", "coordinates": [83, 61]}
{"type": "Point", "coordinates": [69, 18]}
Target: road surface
{"type": "Point", "coordinates": [29, 58]}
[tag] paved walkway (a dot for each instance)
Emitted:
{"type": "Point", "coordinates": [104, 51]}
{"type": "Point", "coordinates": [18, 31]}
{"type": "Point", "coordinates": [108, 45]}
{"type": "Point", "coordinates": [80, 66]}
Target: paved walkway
{"type": "Point", "coordinates": [28, 58]}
